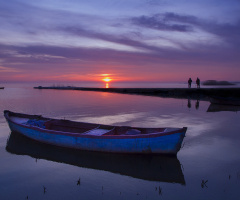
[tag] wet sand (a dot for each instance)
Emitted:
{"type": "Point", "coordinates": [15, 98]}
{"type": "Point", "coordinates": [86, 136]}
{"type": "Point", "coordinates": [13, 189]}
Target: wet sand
{"type": "Point", "coordinates": [183, 93]}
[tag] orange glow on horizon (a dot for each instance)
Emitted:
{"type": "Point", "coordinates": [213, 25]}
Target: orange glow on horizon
{"type": "Point", "coordinates": [106, 79]}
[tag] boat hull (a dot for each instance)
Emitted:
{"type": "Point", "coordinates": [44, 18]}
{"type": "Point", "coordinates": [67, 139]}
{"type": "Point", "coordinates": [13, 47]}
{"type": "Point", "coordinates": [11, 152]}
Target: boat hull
{"type": "Point", "coordinates": [160, 168]}
{"type": "Point", "coordinates": [147, 144]}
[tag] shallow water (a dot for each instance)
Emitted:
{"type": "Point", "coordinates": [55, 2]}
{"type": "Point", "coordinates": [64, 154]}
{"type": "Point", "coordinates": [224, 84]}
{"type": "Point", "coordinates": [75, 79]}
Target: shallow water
{"type": "Point", "coordinates": [207, 166]}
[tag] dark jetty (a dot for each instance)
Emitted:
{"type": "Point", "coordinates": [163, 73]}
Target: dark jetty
{"type": "Point", "coordinates": [183, 93]}
{"type": "Point", "coordinates": [1, 88]}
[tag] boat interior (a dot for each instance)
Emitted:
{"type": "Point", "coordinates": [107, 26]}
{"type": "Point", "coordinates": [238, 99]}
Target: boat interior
{"type": "Point", "coordinates": [97, 129]}
{"type": "Point", "coordinates": [83, 128]}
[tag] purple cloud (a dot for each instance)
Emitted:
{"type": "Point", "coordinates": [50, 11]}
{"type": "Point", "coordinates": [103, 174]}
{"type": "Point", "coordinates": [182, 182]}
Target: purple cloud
{"type": "Point", "coordinates": [34, 36]}
{"type": "Point", "coordinates": [160, 22]}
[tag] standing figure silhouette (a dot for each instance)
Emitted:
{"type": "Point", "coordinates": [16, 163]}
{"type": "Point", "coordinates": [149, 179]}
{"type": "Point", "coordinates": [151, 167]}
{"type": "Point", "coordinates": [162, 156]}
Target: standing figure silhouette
{"type": "Point", "coordinates": [189, 82]}
{"type": "Point", "coordinates": [198, 82]}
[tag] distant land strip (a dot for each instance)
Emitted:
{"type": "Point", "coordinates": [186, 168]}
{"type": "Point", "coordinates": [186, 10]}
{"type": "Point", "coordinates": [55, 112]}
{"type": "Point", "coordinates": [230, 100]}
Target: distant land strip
{"type": "Point", "coordinates": [183, 93]}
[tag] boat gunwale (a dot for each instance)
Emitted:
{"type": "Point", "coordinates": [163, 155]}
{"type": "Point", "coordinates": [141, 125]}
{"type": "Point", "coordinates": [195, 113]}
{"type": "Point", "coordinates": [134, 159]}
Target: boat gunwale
{"type": "Point", "coordinates": [44, 130]}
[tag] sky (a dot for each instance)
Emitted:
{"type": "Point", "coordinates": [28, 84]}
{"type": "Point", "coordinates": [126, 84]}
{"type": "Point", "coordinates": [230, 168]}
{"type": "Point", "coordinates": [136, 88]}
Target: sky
{"type": "Point", "coordinates": [125, 40]}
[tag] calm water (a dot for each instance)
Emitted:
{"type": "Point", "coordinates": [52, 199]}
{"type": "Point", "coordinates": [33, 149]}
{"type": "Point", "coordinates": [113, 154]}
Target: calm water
{"type": "Point", "coordinates": [207, 167]}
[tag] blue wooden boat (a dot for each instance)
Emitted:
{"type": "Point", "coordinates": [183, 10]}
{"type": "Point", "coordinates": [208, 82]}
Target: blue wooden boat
{"type": "Point", "coordinates": [97, 137]}
{"type": "Point", "coordinates": [161, 168]}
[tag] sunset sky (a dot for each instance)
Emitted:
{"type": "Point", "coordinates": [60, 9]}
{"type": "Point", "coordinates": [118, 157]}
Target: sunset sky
{"type": "Point", "coordinates": [124, 40]}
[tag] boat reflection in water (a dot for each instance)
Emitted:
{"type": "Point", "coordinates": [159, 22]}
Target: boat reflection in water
{"type": "Point", "coordinates": [146, 167]}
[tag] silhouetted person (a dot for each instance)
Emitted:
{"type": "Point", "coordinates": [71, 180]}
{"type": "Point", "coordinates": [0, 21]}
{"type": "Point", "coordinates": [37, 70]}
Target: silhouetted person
{"type": "Point", "coordinates": [189, 82]}
{"type": "Point", "coordinates": [198, 82]}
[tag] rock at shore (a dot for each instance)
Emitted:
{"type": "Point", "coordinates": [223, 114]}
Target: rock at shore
{"type": "Point", "coordinates": [214, 82]}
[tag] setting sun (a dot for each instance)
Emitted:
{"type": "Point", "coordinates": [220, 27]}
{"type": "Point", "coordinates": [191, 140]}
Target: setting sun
{"type": "Point", "coordinates": [107, 79]}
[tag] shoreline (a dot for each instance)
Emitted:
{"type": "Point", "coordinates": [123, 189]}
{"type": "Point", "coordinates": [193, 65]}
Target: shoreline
{"type": "Point", "coordinates": [181, 93]}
